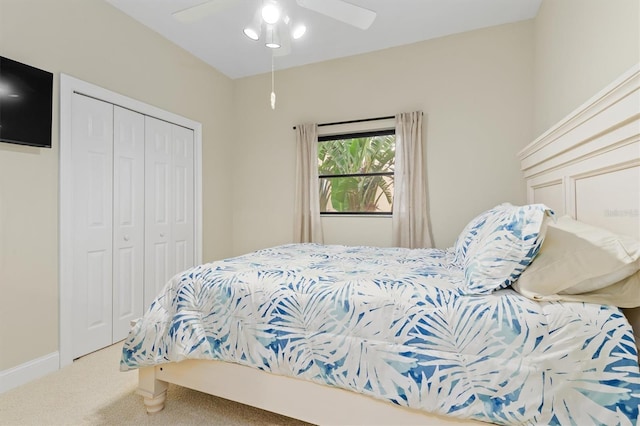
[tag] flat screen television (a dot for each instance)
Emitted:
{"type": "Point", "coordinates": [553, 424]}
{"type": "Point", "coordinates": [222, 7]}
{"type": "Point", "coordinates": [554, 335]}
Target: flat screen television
{"type": "Point", "coordinates": [26, 104]}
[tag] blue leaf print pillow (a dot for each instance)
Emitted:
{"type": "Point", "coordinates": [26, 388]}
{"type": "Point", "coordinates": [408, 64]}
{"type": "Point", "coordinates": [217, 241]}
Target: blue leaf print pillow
{"type": "Point", "coordinates": [508, 243]}
{"type": "Point", "coordinates": [467, 241]}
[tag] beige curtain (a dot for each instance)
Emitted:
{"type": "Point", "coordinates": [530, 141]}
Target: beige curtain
{"type": "Point", "coordinates": [410, 221]}
{"type": "Point", "coordinates": [308, 228]}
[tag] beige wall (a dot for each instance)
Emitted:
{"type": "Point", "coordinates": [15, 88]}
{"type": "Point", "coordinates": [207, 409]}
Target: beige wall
{"type": "Point", "coordinates": [91, 40]}
{"type": "Point", "coordinates": [580, 47]}
{"type": "Point", "coordinates": [474, 88]}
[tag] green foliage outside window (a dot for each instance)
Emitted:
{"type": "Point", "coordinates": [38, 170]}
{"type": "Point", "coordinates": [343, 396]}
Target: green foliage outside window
{"type": "Point", "coordinates": [356, 175]}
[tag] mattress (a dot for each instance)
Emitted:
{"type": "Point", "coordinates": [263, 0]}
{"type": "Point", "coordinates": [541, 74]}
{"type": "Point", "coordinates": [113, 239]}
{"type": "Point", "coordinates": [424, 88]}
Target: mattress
{"type": "Point", "coordinates": [397, 324]}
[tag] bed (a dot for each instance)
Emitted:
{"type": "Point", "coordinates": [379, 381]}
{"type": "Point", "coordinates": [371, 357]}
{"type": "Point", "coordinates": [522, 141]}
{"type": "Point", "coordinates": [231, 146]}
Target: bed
{"type": "Point", "coordinates": [471, 334]}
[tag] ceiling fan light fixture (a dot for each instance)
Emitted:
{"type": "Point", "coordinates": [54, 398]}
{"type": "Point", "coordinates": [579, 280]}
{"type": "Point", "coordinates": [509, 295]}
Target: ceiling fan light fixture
{"type": "Point", "coordinates": [272, 38]}
{"type": "Point", "coordinates": [271, 13]}
{"type": "Point", "coordinates": [252, 33]}
{"type": "Point", "coordinates": [298, 31]}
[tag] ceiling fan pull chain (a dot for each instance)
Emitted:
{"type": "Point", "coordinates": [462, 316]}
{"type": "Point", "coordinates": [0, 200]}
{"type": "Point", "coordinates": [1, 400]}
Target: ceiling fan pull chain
{"type": "Point", "coordinates": [273, 87]}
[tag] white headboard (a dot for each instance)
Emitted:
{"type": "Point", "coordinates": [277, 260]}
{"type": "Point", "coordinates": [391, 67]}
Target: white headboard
{"type": "Point", "coordinates": [588, 165]}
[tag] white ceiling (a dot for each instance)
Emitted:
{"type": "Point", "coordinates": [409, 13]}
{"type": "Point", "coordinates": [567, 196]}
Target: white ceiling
{"type": "Point", "coordinates": [218, 39]}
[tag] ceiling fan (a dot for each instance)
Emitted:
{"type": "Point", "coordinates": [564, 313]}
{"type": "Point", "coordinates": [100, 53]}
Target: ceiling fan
{"type": "Point", "coordinates": [271, 15]}
{"type": "Point", "coordinates": [340, 10]}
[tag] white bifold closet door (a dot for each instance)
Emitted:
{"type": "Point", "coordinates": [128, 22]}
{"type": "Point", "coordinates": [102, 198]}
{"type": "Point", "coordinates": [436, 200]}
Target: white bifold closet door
{"type": "Point", "coordinates": [169, 224]}
{"type": "Point", "coordinates": [128, 220]}
{"type": "Point", "coordinates": [92, 162]}
{"type": "Point", "coordinates": [108, 199]}
{"type": "Point", "coordinates": [133, 216]}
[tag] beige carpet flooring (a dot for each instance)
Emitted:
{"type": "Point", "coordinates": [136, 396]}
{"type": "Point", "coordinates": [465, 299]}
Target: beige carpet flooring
{"type": "Point", "coordinates": [92, 391]}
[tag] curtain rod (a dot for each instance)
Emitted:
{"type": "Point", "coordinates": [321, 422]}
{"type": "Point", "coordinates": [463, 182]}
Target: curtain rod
{"type": "Point", "coordinates": [335, 123]}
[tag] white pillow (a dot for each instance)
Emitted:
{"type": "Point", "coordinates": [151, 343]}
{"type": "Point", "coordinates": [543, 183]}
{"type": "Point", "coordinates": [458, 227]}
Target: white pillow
{"type": "Point", "coordinates": [577, 258]}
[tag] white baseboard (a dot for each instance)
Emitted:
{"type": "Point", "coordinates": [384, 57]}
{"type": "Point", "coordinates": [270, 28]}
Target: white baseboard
{"type": "Point", "coordinates": [31, 370]}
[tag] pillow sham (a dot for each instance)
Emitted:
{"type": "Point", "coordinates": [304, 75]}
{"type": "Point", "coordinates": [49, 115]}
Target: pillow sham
{"type": "Point", "coordinates": [466, 243]}
{"type": "Point", "coordinates": [578, 258]}
{"type": "Point", "coordinates": [508, 243]}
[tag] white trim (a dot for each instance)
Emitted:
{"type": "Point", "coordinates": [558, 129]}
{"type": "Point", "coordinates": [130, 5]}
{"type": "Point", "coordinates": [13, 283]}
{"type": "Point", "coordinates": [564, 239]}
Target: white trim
{"type": "Point", "coordinates": [31, 370]}
{"type": "Point", "coordinates": [68, 86]}
{"type": "Point", "coordinates": [614, 106]}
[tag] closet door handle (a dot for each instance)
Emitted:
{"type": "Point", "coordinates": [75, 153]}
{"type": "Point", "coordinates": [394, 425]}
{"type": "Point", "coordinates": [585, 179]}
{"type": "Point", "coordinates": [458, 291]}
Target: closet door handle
{"type": "Point", "coordinates": [126, 238]}
{"type": "Point", "coordinates": [162, 235]}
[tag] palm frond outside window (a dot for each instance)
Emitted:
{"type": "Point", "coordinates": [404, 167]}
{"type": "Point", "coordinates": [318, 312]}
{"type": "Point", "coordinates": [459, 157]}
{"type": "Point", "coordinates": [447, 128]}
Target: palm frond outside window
{"type": "Point", "coordinates": [356, 172]}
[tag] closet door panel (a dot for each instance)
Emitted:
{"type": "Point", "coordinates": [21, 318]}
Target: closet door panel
{"type": "Point", "coordinates": [92, 162]}
{"type": "Point", "coordinates": [158, 212]}
{"type": "Point", "coordinates": [128, 220]}
{"type": "Point", "coordinates": [183, 176]}
{"type": "Point", "coordinates": [170, 215]}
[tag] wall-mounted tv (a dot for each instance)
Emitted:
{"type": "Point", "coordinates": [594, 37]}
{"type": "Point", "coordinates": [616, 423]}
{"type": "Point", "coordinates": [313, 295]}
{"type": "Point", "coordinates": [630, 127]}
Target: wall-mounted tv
{"type": "Point", "coordinates": [26, 102]}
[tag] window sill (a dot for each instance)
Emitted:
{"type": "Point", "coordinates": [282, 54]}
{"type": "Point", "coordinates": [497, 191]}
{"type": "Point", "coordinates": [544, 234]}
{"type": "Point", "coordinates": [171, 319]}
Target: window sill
{"type": "Point", "coordinates": [384, 215]}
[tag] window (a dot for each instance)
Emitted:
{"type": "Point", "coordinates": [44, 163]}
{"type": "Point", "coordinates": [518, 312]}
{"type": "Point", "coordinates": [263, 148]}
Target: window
{"type": "Point", "coordinates": [356, 172]}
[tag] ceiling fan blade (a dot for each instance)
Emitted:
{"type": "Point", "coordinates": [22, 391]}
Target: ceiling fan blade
{"type": "Point", "coordinates": [202, 10]}
{"type": "Point", "coordinates": [345, 12]}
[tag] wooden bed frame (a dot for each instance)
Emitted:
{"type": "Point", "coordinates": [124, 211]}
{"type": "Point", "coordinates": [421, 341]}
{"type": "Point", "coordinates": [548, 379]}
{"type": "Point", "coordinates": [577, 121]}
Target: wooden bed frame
{"type": "Point", "coordinates": [588, 166]}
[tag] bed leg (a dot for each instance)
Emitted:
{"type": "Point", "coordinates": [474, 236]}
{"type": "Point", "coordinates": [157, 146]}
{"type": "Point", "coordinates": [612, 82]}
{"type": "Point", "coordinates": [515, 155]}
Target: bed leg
{"type": "Point", "coordinates": [153, 390]}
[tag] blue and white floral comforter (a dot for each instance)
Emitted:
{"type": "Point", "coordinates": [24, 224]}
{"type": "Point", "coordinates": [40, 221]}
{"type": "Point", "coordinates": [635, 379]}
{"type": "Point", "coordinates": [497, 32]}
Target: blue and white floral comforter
{"type": "Point", "coordinates": [395, 324]}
